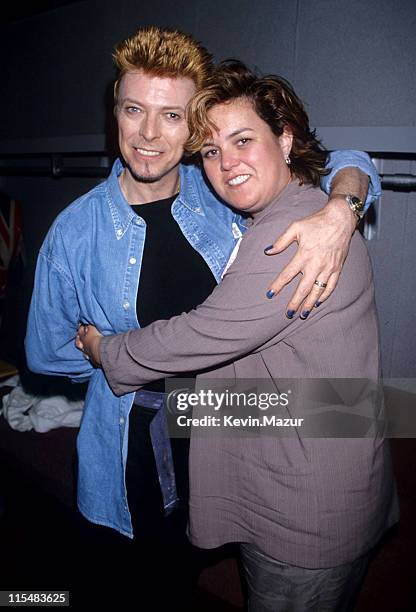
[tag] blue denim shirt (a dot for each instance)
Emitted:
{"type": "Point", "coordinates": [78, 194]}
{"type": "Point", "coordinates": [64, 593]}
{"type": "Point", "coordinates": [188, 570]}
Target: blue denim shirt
{"type": "Point", "coordinates": [88, 271]}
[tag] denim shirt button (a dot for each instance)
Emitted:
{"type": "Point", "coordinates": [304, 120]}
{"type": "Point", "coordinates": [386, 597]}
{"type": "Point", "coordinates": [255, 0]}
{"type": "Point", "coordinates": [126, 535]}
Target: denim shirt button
{"type": "Point", "coordinates": [132, 260]}
{"type": "Point", "coordinates": [126, 305]}
{"type": "Point", "coordinates": [119, 232]}
{"type": "Point", "coordinates": [121, 420]}
{"type": "Point", "coordinates": [138, 222]}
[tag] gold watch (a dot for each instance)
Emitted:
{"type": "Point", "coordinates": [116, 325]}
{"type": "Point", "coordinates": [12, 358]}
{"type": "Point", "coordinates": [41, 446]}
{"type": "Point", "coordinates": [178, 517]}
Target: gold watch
{"type": "Point", "coordinates": [355, 204]}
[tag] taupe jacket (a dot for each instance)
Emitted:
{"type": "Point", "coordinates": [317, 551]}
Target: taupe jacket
{"type": "Point", "coordinates": [312, 502]}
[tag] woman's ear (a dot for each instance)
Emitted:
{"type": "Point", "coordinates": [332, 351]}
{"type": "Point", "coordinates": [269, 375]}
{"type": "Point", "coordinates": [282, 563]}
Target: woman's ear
{"type": "Point", "coordinates": [286, 140]}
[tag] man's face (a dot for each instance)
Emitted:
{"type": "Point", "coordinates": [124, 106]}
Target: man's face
{"type": "Point", "coordinates": [152, 125]}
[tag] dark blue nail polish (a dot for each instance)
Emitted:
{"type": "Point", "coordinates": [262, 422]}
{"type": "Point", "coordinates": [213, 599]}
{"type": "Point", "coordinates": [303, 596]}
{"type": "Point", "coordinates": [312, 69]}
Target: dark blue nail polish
{"type": "Point", "coordinates": [270, 294]}
{"type": "Point", "coordinates": [268, 248]}
{"type": "Point", "coordinates": [305, 314]}
{"type": "Point", "coordinates": [290, 314]}
{"type": "Point", "coordinates": [317, 304]}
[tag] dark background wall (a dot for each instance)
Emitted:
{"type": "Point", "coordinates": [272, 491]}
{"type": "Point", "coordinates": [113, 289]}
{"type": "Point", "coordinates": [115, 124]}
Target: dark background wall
{"type": "Point", "coordinates": [352, 62]}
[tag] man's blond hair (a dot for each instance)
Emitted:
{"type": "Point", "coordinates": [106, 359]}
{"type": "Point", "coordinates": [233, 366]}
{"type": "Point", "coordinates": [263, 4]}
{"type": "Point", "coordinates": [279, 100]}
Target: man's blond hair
{"type": "Point", "coordinates": [164, 53]}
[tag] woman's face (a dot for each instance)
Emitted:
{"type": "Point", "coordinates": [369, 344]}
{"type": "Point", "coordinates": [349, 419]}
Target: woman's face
{"type": "Point", "coordinates": [244, 160]}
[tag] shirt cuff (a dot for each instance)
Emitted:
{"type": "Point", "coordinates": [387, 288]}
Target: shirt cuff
{"type": "Point", "coordinates": [337, 160]}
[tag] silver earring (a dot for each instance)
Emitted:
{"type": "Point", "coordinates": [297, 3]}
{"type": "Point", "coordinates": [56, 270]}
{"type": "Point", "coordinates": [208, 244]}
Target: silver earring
{"type": "Point", "coordinates": [288, 160]}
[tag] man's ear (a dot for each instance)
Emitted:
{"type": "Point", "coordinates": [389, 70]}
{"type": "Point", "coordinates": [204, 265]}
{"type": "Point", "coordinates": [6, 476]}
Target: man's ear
{"type": "Point", "coordinates": [286, 140]}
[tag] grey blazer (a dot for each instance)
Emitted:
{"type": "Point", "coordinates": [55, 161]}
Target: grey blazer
{"type": "Point", "coordinates": [306, 500]}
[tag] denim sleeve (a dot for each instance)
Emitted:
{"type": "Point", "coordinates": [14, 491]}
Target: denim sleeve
{"type": "Point", "coordinates": [338, 160]}
{"type": "Point", "coordinates": [52, 325]}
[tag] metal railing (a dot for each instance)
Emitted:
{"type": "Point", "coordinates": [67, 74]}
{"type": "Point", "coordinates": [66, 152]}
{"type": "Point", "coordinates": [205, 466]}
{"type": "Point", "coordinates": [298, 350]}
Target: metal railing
{"type": "Point", "coordinates": [56, 168]}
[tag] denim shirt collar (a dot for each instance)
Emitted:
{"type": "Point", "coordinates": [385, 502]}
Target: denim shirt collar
{"type": "Point", "coordinates": [121, 211]}
{"type": "Point", "coordinates": [188, 196]}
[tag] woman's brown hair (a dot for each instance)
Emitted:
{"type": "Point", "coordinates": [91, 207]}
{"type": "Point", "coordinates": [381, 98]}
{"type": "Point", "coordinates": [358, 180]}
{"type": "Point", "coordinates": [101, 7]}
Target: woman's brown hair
{"type": "Point", "coordinates": [273, 100]}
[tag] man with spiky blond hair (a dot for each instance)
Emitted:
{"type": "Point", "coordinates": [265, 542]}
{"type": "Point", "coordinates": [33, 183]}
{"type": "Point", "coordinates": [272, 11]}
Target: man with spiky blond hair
{"type": "Point", "coordinates": [149, 243]}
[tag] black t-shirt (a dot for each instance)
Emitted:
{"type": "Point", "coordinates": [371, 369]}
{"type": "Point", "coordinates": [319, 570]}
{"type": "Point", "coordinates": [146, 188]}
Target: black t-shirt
{"type": "Point", "coordinates": [174, 278]}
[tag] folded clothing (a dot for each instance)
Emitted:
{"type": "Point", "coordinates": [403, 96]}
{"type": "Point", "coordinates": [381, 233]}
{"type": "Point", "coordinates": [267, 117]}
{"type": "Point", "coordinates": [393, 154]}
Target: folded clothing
{"type": "Point", "coordinates": [24, 411]}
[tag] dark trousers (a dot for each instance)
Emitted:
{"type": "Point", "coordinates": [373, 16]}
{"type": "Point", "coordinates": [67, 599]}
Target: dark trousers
{"type": "Point", "coordinates": [168, 566]}
{"type": "Point", "coordinates": [273, 585]}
